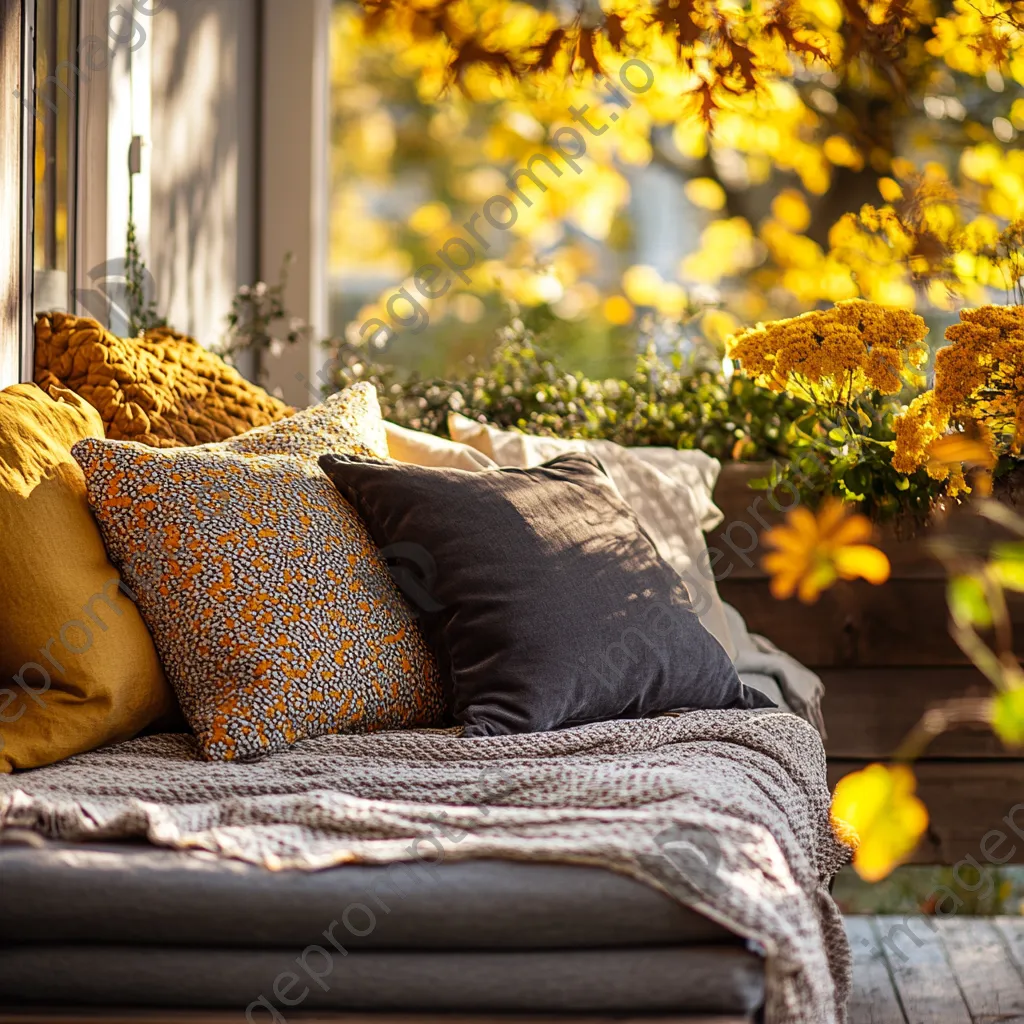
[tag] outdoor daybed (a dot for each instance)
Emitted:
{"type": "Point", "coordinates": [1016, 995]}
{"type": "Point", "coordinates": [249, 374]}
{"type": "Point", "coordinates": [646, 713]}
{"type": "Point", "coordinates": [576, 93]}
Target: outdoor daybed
{"type": "Point", "coordinates": [531, 920]}
{"type": "Point", "coordinates": [405, 790]}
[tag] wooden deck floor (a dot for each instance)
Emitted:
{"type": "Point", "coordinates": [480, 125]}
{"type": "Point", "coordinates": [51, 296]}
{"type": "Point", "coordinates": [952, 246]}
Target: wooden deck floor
{"type": "Point", "coordinates": [926, 970]}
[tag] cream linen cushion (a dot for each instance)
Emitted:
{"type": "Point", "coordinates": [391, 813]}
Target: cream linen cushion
{"type": "Point", "coordinates": [671, 507]}
{"type": "Point", "coordinates": [696, 471]}
{"type": "Point", "coordinates": [421, 449]}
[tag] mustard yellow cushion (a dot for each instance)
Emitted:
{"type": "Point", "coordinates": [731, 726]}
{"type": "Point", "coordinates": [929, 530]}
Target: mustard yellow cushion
{"type": "Point", "coordinates": [273, 611]}
{"type": "Point", "coordinates": [78, 668]}
{"type": "Point", "coordinates": [163, 389]}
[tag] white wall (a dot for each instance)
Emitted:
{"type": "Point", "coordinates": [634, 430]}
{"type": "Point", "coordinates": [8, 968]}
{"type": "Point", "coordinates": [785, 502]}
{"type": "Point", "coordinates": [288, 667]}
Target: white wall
{"type": "Point", "coordinates": [202, 160]}
{"type": "Point", "coordinates": [234, 166]}
{"type": "Point", "coordinates": [293, 189]}
{"type": "Point", "coordinates": [113, 106]}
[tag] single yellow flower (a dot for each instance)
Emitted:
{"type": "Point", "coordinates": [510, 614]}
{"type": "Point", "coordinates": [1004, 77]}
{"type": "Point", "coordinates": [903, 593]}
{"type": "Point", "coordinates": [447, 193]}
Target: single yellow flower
{"type": "Point", "coordinates": [812, 552]}
{"type": "Point", "coordinates": [879, 807]}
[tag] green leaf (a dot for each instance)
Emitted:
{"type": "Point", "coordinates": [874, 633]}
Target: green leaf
{"type": "Point", "coordinates": [1006, 564]}
{"type": "Point", "coordinates": [1008, 717]}
{"type": "Point", "coordinates": [902, 483]}
{"type": "Point", "coordinates": [838, 434]}
{"type": "Point", "coordinates": [968, 603]}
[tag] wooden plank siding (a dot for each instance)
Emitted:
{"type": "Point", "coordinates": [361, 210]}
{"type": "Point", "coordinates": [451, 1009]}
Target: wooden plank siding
{"type": "Point", "coordinates": [885, 655]}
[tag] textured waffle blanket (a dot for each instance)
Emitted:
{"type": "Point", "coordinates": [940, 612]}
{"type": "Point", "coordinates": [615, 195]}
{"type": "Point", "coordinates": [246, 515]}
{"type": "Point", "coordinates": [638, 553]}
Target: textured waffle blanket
{"type": "Point", "coordinates": [726, 811]}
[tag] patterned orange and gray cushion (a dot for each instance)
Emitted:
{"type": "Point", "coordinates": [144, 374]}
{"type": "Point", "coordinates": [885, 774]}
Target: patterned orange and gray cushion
{"type": "Point", "coordinates": [350, 418]}
{"type": "Point", "coordinates": [273, 612]}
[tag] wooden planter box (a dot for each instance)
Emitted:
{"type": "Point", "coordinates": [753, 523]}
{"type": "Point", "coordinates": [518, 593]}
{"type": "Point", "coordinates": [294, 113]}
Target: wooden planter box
{"type": "Point", "coordinates": [885, 655]}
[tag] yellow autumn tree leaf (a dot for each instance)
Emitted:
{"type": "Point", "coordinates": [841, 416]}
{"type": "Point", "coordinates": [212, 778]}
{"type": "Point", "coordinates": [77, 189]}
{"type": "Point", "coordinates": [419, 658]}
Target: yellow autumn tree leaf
{"type": "Point", "coordinates": [705, 193]}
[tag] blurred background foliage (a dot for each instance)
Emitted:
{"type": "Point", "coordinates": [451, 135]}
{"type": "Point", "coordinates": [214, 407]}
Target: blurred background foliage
{"type": "Point", "coordinates": [670, 400]}
{"type": "Point", "coordinates": [787, 155]}
{"type": "Point", "coordinates": [965, 888]}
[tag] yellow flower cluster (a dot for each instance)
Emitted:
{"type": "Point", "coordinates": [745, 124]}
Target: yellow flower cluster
{"type": "Point", "coordinates": [979, 389]}
{"type": "Point", "coordinates": [917, 428]}
{"type": "Point", "coordinates": [981, 375]}
{"type": "Point", "coordinates": [831, 357]}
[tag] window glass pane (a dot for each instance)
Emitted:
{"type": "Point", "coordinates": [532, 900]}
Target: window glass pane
{"type": "Point", "coordinates": [56, 113]}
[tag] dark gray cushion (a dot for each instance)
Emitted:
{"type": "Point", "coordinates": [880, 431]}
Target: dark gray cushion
{"type": "Point", "coordinates": [699, 979]}
{"type": "Point", "coordinates": [547, 604]}
{"type": "Point", "coordinates": [126, 893]}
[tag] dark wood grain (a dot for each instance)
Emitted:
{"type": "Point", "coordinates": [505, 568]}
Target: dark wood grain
{"type": "Point", "coordinates": [748, 513]}
{"type": "Point", "coordinates": [885, 656]}
{"type": "Point", "coordinates": [903, 623]}
{"type": "Point", "coordinates": [856, 625]}
{"type": "Point", "coordinates": [869, 711]}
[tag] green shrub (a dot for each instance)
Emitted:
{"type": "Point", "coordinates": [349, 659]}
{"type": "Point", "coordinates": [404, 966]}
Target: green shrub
{"type": "Point", "coordinates": [675, 401]}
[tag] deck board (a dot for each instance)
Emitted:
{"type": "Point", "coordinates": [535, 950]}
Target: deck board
{"type": "Point", "coordinates": [989, 980]}
{"type": "Point", "coordinates": [873, 999]}
{"type": "Point", "coordinates": [916, 956]}
{"type": "Point", "coordinates": [1011, 929]}
{"type": "Point", "coordinates": [918, 970]}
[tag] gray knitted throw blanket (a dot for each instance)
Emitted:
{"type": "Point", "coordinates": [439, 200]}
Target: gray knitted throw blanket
{"type": "Point", "coordinates": [726, 811]}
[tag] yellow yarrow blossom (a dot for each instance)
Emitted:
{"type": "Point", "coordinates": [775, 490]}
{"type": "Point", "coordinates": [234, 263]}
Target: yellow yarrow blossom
{"type": "Point", "coordinates": [812, 552]}
{"type": "Point", "coordinates": [922, 440]}
{"type": "Point", "coordinates": [834, 356]}
{"type": "Point", "coordinates": [980, 376]}
{"type": "Point", "coordinates": [876, 811]}
{"type": "Point", "coordinates": [916, 428]}
{"type": "Point", "coordinates": [979, 384]}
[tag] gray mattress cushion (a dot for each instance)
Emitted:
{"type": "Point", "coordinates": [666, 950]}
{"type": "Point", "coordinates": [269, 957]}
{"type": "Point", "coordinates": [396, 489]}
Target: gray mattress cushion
{"type": "Point", "coordinates": [699, 979]}
{"type": "Point", "coordinates": [128, 893]}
